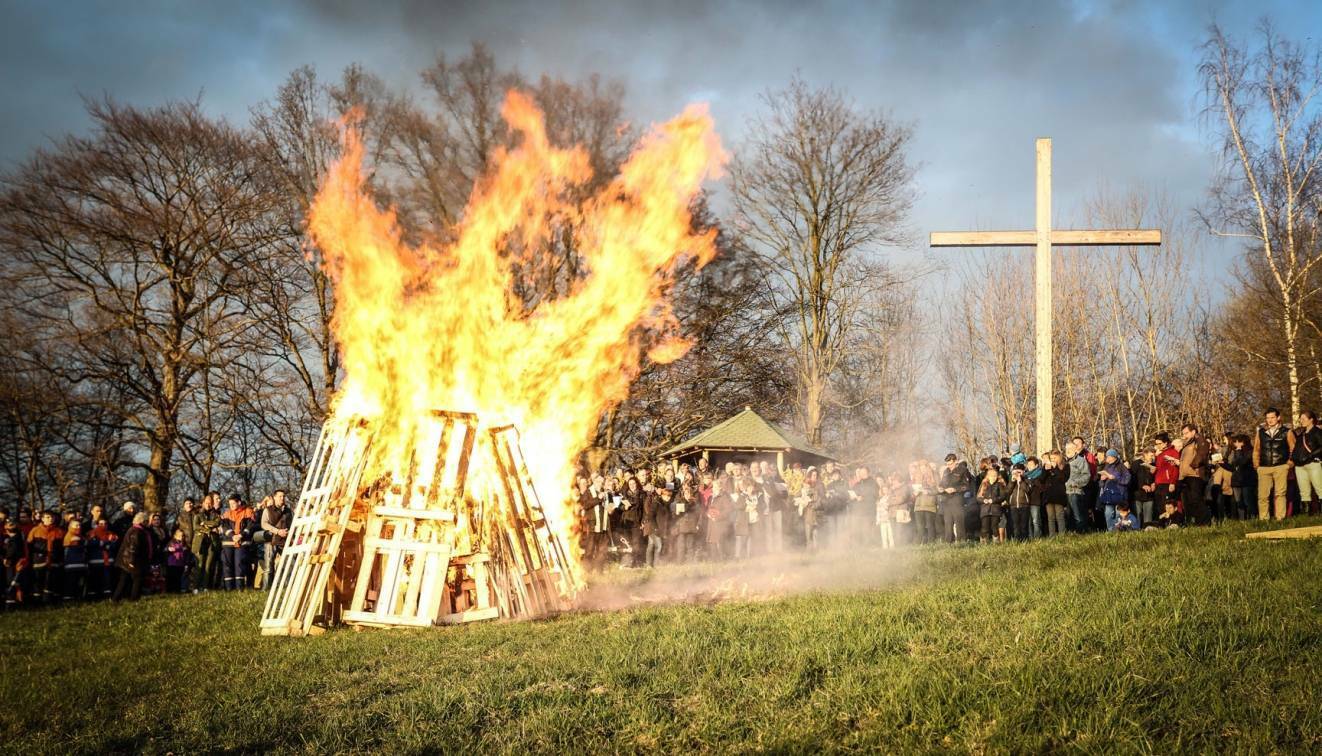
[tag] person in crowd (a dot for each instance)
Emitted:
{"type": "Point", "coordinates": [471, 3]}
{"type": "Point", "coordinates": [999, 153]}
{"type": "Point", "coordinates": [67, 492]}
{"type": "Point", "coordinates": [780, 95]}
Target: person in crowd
{"type": "Point", "coordinates": [720, 514]}
{"type": "Point", "coordinates": [102, 543]}
{"type": "Point", "coordinates": [17, 571]}
{"type": "Point", "coordinates": [743, 516]}
{"type": "Point", "coordinates": [1171, 516]}
{"type": "Point", "coordinates": [187, 519]}
{"type": "Point", "coordinates": [1218, 485]}
{"type": "Point", "coordinates": [122, 520]}
{"type": "Point", "coordinates": [1273, 448]}
{"type": "Point", "coordinates": [1113, 487]}
{"type": "Point", "coordinates": [1193, 475]}
{"type": "Point", "coordinates": [776, 495]}
{"type": "Point", "coordinates": [923, 484]}
{"type": "Point", "coordinates": [1055, 475]}
{"type": "Point", "coordinates": [834, 511]}
{"type": "Point", "coordinates": [686, 513]}
{"type": "Point", "coordinates": [883, 518]}
{"type": "Point", "coordinates": [991, 497]}
{"type": "Point", "coordinates": [132, 559]}
{"type": "Point", "coordinates": [863, 496]}
{"type": "Point", "coordinates": [1021, 496]}
{"type": "Point", "coordinates": [236, 529]}
{"type": "Point", "coordinates": [275, 522]}
{"type": "Point", "coordinates": [595, 506]}
{"type": "Point", "coordinates": [1125, 520]}
{"type": "Point", "coordinates": [1167, 473]}
{"type": "Point", "coordinates": [1033, 471]}
{"type": "Point", "coordinates": [630, 523]}
{"type": "Point", "coordinates": [953, 485]}
{"type": "Point", "coordinates": [177, 557]}
{"type": "Point", "coordinates": [1142, 478]}
{"type": "Point", "coordinates": [206, 543]}
{"type": "Point", "coordinates": [656, 522]}
{"type": "Point", "coordinates": [46, 552]}
{"type": "Point", "coordinates": [154, 582]}
{"type": "Point", "coordinates": [1080, 476]}
{"type": "Point", "coordinates": [1307, 459]}
{"type": "Point", "coordinates": [74, 579]}
{"type": "Point", "coordinates": [1239, 463]}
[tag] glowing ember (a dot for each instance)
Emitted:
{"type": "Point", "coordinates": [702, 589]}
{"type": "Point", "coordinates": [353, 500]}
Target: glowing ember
{"type": "Point", "coordinates": [440, 326]}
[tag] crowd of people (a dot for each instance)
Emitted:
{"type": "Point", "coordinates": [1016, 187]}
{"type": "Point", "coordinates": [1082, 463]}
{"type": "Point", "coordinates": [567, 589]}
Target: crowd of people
{"type": "Point", "coordinates": [682, 512]}
{"type": "Point", "coordinates": [58, 556]}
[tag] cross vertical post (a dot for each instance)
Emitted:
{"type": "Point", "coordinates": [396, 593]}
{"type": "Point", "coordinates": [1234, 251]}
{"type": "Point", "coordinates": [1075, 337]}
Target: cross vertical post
{"type": "Point", "coordinates": [1042, 299]}
{"type": "Point", "coordinates": [1043, 238]}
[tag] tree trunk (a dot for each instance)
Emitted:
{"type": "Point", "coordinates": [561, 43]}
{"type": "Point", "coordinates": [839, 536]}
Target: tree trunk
{"type": "Point", "coordinates": [156, 488]}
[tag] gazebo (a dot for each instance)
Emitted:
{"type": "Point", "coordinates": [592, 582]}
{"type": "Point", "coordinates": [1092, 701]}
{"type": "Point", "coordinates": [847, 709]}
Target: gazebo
{"type": "Point", "coordinates": [744, 438]}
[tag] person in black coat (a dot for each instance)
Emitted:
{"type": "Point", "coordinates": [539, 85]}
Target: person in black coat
{"type": "Point", "coordinates": [1243, 482]}
{"type": "Point", "coordinates": [1143, 485]}
{"type": "Point", "coordinates": [1054, 475]}
{"type": "Point", "coordinates": [991, 499]}
{"type": "Point", "coordinates": [133, 558]}
{"type": "Point", "coordinates": [952, 487]}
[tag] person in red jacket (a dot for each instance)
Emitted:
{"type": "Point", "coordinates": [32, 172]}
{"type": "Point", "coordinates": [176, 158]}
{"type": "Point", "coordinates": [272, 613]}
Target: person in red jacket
{"type": "Point", "coordinates": [1167, 475]}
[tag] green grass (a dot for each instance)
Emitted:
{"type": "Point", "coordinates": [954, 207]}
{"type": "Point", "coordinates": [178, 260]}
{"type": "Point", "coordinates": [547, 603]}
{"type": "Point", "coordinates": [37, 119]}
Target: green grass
{"type": "Point", "coordinates": [1156, 642]}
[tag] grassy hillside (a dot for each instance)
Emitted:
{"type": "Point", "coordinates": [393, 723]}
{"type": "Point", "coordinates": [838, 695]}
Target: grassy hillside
{"type": "Point", "coordinates": [1185, 641]}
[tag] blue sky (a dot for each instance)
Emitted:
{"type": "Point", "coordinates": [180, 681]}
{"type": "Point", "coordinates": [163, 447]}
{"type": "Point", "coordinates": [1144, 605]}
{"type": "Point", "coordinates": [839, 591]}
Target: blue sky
{"type": "Point", "coordinates": [1113, 83]}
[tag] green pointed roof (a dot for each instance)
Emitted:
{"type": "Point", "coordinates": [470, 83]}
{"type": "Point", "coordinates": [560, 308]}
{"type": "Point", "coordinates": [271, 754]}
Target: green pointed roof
{"type": "Point", "coordinates": [746, 431]}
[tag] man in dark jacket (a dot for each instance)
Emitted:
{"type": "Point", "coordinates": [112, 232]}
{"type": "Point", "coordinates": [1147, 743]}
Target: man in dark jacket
{"type": "Point", "coordinates": [275, 520]}
{"type": "Point", "coordinates": [131, 560]}
{"type": "Point", "coordinates": [863, 507]}
{"type": "Point", "coordinates": [1273, 445]}
{"type": "Point", "coordinates": [953, 486]}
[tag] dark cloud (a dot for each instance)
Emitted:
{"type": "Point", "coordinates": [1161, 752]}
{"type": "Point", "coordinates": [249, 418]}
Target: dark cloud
{"type": "Point", "coordinates": [1112, 82]}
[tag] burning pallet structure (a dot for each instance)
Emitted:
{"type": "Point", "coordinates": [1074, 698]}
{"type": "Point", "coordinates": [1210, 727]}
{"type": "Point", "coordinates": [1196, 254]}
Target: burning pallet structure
{"type": "Point", "coordinates": [417, 547]}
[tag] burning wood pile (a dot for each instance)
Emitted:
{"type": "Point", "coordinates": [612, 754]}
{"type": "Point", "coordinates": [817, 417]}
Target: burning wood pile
{"type": "Point", "coordinates": [534, 310]}
{"type": "Point", "coordinates": [418, 546]}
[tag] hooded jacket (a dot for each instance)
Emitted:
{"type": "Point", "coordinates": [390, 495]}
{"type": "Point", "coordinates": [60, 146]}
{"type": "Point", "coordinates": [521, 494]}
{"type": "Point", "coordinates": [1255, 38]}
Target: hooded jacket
{"type": "Point", "coordinates": [1116, 489]}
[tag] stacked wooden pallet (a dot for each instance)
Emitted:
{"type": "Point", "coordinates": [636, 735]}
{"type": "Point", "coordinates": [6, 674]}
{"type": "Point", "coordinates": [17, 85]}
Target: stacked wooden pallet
{"type": "Point", "coordinates": [418, 546]}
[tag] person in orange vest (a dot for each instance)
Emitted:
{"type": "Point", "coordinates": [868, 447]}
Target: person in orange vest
{"type": "Point", "coordinates": [236, 527]}
{"type": "Point", "coordinates": [46, 550]}
{"type": "Point", "coordinates": [101, 545]}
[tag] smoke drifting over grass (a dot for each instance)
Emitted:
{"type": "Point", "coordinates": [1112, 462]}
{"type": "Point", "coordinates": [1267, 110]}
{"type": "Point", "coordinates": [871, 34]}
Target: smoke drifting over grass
{"type": "Point", "coordinates": [761, 578]}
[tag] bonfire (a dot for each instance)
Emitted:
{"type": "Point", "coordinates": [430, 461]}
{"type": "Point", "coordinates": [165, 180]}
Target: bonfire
{"type": "Point", "coordinates": [460, 401]}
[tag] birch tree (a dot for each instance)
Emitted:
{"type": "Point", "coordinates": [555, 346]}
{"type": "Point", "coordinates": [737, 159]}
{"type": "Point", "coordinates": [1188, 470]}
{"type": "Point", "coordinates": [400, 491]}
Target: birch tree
{"type": "Point", "coordinates": [1263, 102]}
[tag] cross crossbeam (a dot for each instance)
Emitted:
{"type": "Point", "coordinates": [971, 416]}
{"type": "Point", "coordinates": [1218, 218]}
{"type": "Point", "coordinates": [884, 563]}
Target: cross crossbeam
{"type": "Point", "coordinates": [1043, 238]}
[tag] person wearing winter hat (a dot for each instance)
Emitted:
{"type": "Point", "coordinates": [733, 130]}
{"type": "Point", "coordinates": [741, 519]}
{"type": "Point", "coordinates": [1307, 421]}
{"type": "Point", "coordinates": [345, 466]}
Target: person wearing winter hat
{"type": "Point", "coordinates": [1113, 480]}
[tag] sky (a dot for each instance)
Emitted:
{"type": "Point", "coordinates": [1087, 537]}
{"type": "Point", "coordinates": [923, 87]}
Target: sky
{"type": "Point", "coordinates": [1113, 83]}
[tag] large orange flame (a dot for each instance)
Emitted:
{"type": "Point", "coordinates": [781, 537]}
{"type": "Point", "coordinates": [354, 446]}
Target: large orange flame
{"type": "Point", "coordinates": [424, 327]}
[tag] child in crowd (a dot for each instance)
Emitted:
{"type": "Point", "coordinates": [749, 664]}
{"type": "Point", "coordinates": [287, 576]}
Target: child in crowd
{"type": "Point", "coordinates": [176, 561]}
{"type": "Point", "coordinates": [1125, 520]}
{"type": "Point", "coordinates": [1171, 517]}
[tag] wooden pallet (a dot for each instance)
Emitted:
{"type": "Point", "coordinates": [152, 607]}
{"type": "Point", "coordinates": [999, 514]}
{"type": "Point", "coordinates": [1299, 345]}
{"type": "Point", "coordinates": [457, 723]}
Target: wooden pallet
{"type": "Point", "coordinates": [322, 515]}
{"type": "Point", "coordinates": [413, 527]}
{"type": "Point", "coordinates": [535, 573]}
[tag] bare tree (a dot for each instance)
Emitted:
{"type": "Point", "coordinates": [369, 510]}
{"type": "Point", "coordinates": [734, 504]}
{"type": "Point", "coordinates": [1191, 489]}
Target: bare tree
{"type": "Point", "coordinates": [817, 189]}
{"type": "Point", "coordinates": [129, 249]}
{"type": "Point", "coordinates": [1264, 104]}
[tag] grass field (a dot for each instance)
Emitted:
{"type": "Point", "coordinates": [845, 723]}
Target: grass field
{"type": "Point", "coordinates": [1154, 642]}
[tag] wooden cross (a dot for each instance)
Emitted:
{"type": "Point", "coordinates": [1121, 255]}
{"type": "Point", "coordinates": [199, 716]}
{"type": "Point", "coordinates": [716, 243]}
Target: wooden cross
{"type": "Point", "coordinates": [1044, 239]}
